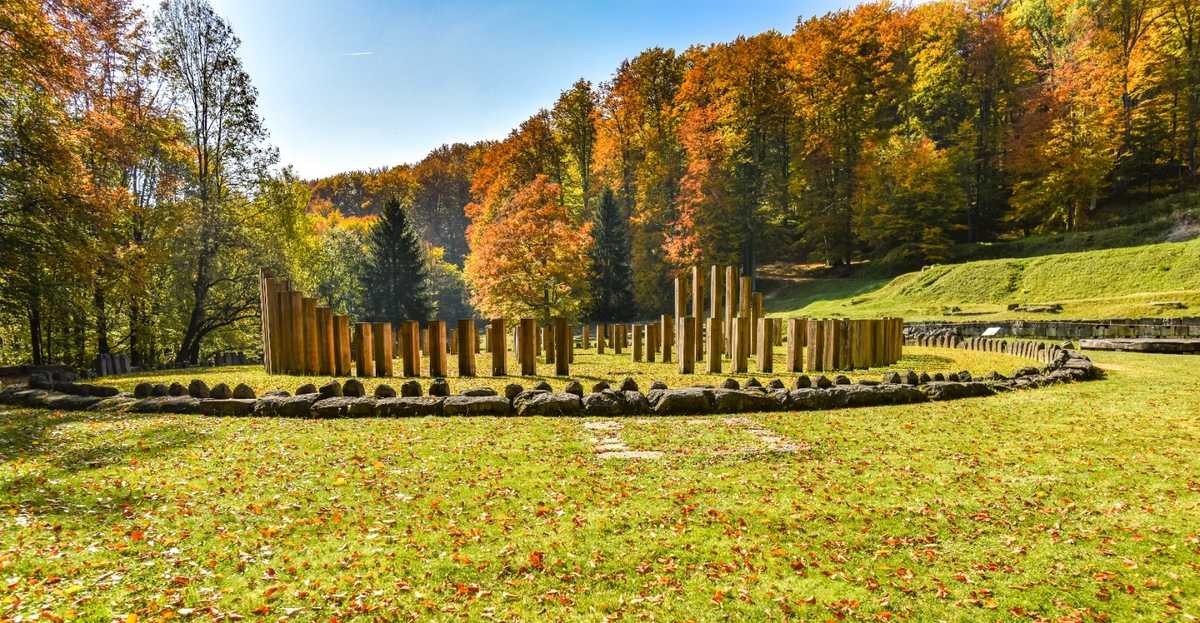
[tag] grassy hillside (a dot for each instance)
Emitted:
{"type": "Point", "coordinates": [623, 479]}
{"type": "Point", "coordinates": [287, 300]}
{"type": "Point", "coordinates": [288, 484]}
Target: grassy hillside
{"type": "Point", "coordinates": [1116, 282]}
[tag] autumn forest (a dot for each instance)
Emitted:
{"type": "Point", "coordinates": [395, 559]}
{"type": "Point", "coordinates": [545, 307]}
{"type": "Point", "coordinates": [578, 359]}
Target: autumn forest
{"type": "Point", "coordinates": [140, 194]}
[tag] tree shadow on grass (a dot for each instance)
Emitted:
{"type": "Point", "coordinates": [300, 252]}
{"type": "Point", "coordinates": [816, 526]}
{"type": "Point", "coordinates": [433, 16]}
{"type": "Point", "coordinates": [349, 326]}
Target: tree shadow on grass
{"type": "Point", "coordinates": [54, 489]}
{"type": "Point", "coordinates": [26, 433]}
{"type": "Point", "coordinates": [148, 444]}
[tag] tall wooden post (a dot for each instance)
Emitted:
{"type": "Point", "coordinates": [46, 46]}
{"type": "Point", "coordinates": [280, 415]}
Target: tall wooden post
{"type": "Point", "coordinates": [526, 331]}
{"type": "Point", "coordinates": [667, 337]}
{"type": "Point", "coordinates": [365, 355]}
{"type": "Point", "coordinates": [832, 338]}
{"type": "Point", "coordinates": [715, 310]}
{"type": "Point", "coordinates": [618, 338]}
{"type": "Point", "coordinates": [637, 342]}
{"type": "Point", "coordinates": [740, 344]}
{"type": "Point", "coordinates": [732, 281]}
{"type": "Point", "coordinates": [585, 341]}
{"type": "Point", "coordinates": [410, 357]}
{"type": "Point", "coordinates": [549, 336]}
{"type": "Point", "coordinates": [341, 345]}
{"type": "Point", "coordinates": [681, 295]}
{"type": "Point", "coordinates": [651, 341]}
{"type": "Point", "coordinates": [466, 347]}
{"type": "Point", "coordinates": [686, 344]}
{"type": "Point", "coordinates": [382, 334]}
{"type": "Point", "coordinates": [714, 340]}
{"type": "Point", "coordinates": [296, 319]}
{"type": "Point", "coordinates": [601, 334]}
{"type": "Point", "coordinates": [264, 313]}
{"type": "Point", "coordinates": [278, 329]}
{"type": "Point", "coordinates": [766, 345]}
{"type": "Point", "coordinates": [325, 355]}
{"type": "Point", "coordinates": [562, 347]}
{"type": "Point", "coordinates": [797, 332]}
{"type": "Point", "coordinates": [756, 313]}
{"type": "Point", "coordinates": [437, 348]}
{"type": "Point", "coordinates": [496, 344]}
{"type": "Point", "coordinates": [309, 307]}
{"type": "Point", "coordinates": [814, 351]}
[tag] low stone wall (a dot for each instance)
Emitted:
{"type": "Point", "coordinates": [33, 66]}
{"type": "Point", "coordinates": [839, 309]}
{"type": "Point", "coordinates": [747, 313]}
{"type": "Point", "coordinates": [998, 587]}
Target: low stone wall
{"type": "Point", "coordinates": [1067, 329]}
{"type": "Point", "coordinates": [335, 400]}
{"type": "Point", "coordinates": [945, 338]}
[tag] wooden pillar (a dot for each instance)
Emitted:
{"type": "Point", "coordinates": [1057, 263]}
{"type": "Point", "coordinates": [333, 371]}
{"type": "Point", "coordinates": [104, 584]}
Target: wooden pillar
{"type": "Point", "coordinates": [278, 329]}
{"type": "Point", "coordinates": [562, 347]}
{"type": "Point", "coordinates": [466, 347]}
{"type": "Point", "coordinates": [766, 345]}
{"type": "Point", "coordinates": [797, 331]}
{"type": "Point", "coordinates": [382, 336]}
{"type": "Point", "coordinates": [496, 344]}
{"type": "Point", "coordinates": [341, 345]}
{"type": "Point", "coordinates": [584, 339]}
{"type": "Point", "coordinates": [686, 344]}
{"type": "Point", "coordinates": [667, 336]}
{"type": "Point", "coordinates": [364, 355]}
{"type": "Point", "coordinates": [681, 294]}
{"type": "Point", "coordinates": [325, 354]}
{"type": "Point", "coordinates": [548, 342]}
{"type": "Point", "coordinates": [296, 319]}
{"type": "Point", "coordinates": [814, 351]}
{"type": "Point", "coordinates": [714, 339]}
{"type": "Point", "coordinates": [618, 338]}
{"type": "Point", "coordinates": [267, 303]}
{"type": "Point", "coordinates": [637, 342]}
{"type": "Point", "coordinates": [731, 307]}
{"type": "Point", "coordinates": [741, 344]}
{"type": "Point", "coordinates": [437, 348]}
{"type": "Point", "coordinates": [527, 353]}
{"type": "Point", "coordinates": [311, 364]}
{"type": "Point", "coordinates": [601, 331]}
{"type": "Point", "coordinates": [410, 355]}
{"type": "Point", "coordinates": [651, 341]}
{"type": "Point", "coordinates": [264, 314]}
{"type": "Point", "coordinates": [715, 309]}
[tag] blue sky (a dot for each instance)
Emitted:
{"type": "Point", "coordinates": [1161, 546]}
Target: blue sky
{"type": "Point", "coordinates": [356, 85]}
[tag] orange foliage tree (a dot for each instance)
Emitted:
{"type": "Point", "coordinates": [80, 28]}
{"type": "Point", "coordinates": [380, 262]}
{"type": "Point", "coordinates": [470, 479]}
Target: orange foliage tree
{"type": "Point", "coordinates": [528, 258]}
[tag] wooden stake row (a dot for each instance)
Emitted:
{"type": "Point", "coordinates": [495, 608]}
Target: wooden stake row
{"type": "Point", "coordinates": [298, 336]}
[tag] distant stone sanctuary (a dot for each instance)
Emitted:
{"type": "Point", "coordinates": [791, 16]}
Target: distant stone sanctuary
{"type": "Point", "coordinates": [301, 337]}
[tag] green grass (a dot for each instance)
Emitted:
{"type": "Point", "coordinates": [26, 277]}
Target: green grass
{"type": "Point", "coordinates": [1106, 283]}
{"type": "Point", "coordinates": [588, 368]}
{"type": "Point", "coordinates": [1076, 502]}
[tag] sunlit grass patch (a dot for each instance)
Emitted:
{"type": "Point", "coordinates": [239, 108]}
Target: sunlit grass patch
{"type": "Point", "coordinates": [1074, 501]}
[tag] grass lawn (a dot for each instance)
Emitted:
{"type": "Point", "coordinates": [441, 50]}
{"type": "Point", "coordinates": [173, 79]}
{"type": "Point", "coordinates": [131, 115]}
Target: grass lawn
{"type": "Point", "coordinates": [588, 368]}
{"type": "Point", "coordinates": [1074, 502]}
{"type": "Point", "coordinates": [1109, 283]}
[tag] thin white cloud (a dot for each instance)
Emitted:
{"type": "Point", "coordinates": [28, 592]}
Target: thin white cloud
{"type": "Point", "coordinates": [357, 53]}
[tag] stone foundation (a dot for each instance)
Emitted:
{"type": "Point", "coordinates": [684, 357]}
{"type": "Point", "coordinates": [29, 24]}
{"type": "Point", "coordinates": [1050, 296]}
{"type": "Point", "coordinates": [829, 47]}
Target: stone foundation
{"type": "Point", "coordinates": [805, 394]}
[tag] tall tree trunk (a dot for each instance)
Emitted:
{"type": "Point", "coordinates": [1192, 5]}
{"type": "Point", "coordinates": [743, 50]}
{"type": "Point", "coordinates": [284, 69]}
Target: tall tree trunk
{"type": "Point", "coordinates": [98, 301]}
{"type": "Point", "coordinates": [35, 328]}
{"type": "Point", "coordinates": [135, 320]}
{"type": "Point", "coordinates": [189, 346]}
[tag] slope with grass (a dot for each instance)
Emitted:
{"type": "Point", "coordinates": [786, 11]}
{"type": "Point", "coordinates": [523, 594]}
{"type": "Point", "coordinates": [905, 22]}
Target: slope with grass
{"type": "Point", "coordinates": [1108, 283]}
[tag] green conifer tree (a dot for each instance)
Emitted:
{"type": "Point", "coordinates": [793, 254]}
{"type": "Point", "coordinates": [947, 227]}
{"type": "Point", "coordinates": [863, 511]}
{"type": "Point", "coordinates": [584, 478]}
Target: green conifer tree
{"type": "Point", "coordinates": [395, 279]}
{"type": "Point", "coordinates": [613, 293]}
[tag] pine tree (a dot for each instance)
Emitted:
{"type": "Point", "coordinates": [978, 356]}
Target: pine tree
{"type": "Point", "coordinates": [395, 280]}
{"type": "Point", "coordinates": [613, 294]}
